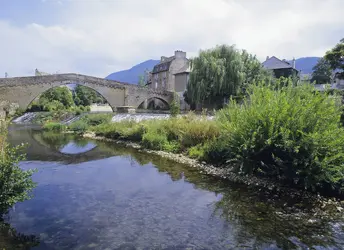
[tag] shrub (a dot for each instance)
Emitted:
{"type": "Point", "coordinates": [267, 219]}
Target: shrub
{"type": "Point", "coordinates": [175, 105]}
{"type": "Point", "coordinates": [292, 133]}
{"type": "Point", "coordinates": [96, 119]}
{"type": "Point", "coordinates": [78, 126]}
{"type": "Point", "coordinates": [15, 183]}
{"type": "Point", "coordinates": [54, 126]}
{"type": "Point", "coordinates": [154, 140]}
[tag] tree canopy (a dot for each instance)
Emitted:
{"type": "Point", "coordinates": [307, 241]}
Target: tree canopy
{"type": "Point", "coordinates": [322, 72]}
{"type": "Point", "coordinates": [84, 96]}
{"type": "Point", "coordinates": [221, 72]}
{"type": "Point", "coordinates": [335, 58]}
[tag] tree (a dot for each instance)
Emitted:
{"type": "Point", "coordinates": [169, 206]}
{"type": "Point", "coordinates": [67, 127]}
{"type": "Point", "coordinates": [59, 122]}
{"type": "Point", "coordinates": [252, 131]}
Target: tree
{"type": "Point", "coordinates": [216, 74]}
{"type": "Point", "coordinates": [335, 57]}
{"type": "Point", "coordinates": [141, 82]}
{"type": "Point", "coordinates": [222, 72]}
{"type": "Point", "coordinates": [175, 105]}
{"type": "Point", "coordinates": [322, 72]}
{"type": "Point", "coordinates": [60, 94]}
{"type": "Point", "coordinates": [15, 183]}
{"type": "Point", "coordinates": [85, 96]}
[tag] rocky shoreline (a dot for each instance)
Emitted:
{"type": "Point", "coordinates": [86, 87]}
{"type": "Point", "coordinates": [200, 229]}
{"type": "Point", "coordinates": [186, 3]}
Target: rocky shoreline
{"type": "Point", "coordinates": [225, 173]}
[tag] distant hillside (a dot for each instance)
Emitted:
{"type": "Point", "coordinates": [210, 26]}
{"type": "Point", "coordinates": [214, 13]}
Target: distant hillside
{"type": "Point", "coordinates": [306, 64]}
{"type": "Point", "coordinates": [132, 75]}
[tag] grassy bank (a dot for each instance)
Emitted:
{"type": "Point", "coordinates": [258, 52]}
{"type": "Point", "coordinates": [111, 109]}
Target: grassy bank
{"type": "Point", "coordinates": [292, 135]}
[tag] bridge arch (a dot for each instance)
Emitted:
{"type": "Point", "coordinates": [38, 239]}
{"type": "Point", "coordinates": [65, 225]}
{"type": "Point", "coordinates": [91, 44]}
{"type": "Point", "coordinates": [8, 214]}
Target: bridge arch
{"type": "Point", "coordinates": [63, 85]}
{"type": "Point", "coordinates": [23, 90]}
{"type": "Point", "coordinates": [147, 103]}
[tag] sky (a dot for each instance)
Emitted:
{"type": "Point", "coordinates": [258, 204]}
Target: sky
{"type": "Point", "coordinates": [99, 37]}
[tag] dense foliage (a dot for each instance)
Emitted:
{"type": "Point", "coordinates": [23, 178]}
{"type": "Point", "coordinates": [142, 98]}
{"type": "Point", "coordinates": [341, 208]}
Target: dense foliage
{"type": "Point", "coordinates": [85, 96]}
{"type": "Point", "coordinates": [15, 183]}
{"type": "Point", "coordinates": [62, 98]}
{"type": "Point", "coordinates": [335, 57]}
{"type": "Point", "coordinates": [220, 73]}
{"type": "Point", "coordinates": [322, 72]}
{"type": "Point", "coordinates": [293, 134]}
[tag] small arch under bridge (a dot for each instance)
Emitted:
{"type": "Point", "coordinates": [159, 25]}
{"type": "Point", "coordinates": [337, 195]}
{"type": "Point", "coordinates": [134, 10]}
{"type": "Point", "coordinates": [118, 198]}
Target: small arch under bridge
{"type": "Point", "coordinates": [23, 90]}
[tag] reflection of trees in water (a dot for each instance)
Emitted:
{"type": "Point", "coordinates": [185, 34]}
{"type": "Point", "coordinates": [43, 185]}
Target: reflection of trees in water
{"type": "Point", "coordinates": [58, 141]}
{"type": "Point", "coordinates": [54, 140]}
{"type": "Point", "coordinates": [259, 216]}
{"type": "Point", "coordinates": [11, 239]}
{"type": "Point", "coordinates": [260, 220]}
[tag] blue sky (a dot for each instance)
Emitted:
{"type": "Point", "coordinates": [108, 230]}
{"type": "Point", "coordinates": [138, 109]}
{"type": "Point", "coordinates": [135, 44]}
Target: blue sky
{"type": "Point", "coordinates": [98, 37]}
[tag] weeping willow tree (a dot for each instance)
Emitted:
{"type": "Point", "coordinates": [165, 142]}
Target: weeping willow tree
{"type": "Point", "coordinates": [220, 73]}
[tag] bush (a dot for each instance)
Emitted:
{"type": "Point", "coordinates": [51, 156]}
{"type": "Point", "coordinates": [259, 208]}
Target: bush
{"type": "Point", "coordinates": [54, 126]}
{"type": "Point", "coordinates": [96, 119]}
{"type": "Point", "coordinates": [154, 140]}
{"type": "Point", "coordinates": [15, 183]}
{"type": "Point", "coordinates": [78, 126]}
{"type": "Point", "coordinates": [125, 130]}
{"type": "Point", "coordinates": [175, 105]}
{"type": "Point", "coordinates": [292, 134]}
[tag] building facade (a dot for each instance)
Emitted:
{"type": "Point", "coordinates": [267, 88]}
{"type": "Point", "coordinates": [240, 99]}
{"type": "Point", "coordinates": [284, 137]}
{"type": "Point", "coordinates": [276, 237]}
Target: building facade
{"type": "Point", "coordinates": [281, 67]}
{"type": "Point", "coordinates": [164, 73]}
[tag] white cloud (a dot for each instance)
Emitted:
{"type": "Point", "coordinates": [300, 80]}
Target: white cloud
{"type": "Point", "coordinates": [99, 37]}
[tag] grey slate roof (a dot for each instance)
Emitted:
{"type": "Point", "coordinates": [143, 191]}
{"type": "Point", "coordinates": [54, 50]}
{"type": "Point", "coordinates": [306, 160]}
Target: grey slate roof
{"type": "Point", "coordinates": [275, 63]}
{"type": "Point", "coordinates": [163, 66]}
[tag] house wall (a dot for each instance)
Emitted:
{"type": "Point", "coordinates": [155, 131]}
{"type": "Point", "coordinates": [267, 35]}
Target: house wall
{"type": "Point", "coordinates": [181, 81]}
{"type": "Point", "coordinates": [175, 66]}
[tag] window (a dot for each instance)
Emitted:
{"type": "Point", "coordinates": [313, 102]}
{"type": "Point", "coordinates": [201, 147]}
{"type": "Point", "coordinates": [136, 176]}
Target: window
{"type": "Point", "coordinates": [156, 84]}
{"type": "Point", "coordinates": [163, 83]}
{"type": "Point", "coordinates": [165, 74]}
{"type": "Point", "coordinates": [156, 76]}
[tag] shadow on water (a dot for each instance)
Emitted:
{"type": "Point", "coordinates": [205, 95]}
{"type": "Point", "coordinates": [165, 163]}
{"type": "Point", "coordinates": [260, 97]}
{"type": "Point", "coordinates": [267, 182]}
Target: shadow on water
{"type": "Point", "coordinates": [138, 200]}
{"type": "Point", "coordinates": [11, 239]}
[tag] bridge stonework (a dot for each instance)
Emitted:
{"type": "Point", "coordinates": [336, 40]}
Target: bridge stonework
{"type": "Point", "coordinates": [23, 90]}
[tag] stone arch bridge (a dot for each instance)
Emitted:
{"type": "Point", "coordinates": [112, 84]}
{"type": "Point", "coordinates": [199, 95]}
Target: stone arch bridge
{"type": "Point", "coordinates": [22, 91]}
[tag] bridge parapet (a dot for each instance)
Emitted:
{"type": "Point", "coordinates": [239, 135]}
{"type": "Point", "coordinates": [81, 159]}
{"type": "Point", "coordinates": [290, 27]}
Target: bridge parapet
{"type": "Point", "coordinates": [23, 90]}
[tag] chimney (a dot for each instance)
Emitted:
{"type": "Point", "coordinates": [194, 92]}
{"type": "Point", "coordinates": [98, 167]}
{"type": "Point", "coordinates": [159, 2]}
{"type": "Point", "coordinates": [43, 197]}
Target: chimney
{"type": "Point", "coordinates": [180, 54]}
{"type": "Point", "coordinates": [267, 58]}
{"type": "Point", "coordinates": [293, 64]}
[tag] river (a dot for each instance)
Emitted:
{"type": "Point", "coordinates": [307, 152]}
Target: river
{"type": "Point", "coordinates": [96, 195]}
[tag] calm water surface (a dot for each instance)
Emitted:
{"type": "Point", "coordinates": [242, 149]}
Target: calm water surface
{"type": "Point", "coordinates": [94, 195]}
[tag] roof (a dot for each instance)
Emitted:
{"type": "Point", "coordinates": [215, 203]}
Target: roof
{"type": "Point", "coordinates": [164, 65]}
{"type": "Point", "coordinates": [275, 63]}
{"type": "Point", "coordinates": [184, 69]}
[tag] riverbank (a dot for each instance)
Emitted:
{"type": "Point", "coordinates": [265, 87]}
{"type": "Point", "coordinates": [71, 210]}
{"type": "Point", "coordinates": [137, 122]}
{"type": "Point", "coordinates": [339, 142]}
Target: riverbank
{"type": "Point", "coordinates": [282, 135]}
{"type": "Point", "coordinates": [327, 205]}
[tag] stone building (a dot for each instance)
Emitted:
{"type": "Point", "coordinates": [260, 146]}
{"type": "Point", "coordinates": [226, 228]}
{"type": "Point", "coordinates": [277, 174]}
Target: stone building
{"type": "Point", "coordinates": [280, 67]}
{"type": "Point", "coordinates": [163, 74]}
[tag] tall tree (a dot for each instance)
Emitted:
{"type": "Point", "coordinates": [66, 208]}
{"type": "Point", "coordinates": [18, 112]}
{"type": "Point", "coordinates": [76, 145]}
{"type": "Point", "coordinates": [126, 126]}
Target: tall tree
{"type": "Point", "coordinates": [222, 72]}
{"type": "Point", "coordinates": [322, 72]}
{"type": "Point", "coordinates": [335, 57]}
{"type": "Point", "coordinates": [216, 74]}
{"type": "Point", "coordinates": [141, 82]}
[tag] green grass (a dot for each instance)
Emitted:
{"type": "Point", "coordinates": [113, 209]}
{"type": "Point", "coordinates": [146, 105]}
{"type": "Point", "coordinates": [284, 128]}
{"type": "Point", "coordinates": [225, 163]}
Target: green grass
{"type": "Point", "coordinates": [54, 126]}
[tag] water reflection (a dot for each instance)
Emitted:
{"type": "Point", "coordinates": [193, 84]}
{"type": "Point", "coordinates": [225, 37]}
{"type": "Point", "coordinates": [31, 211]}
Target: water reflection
{"type": "Point", "coordinates": [127, 199]}
{"type": "Point", "coordinates": [11, 239]}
